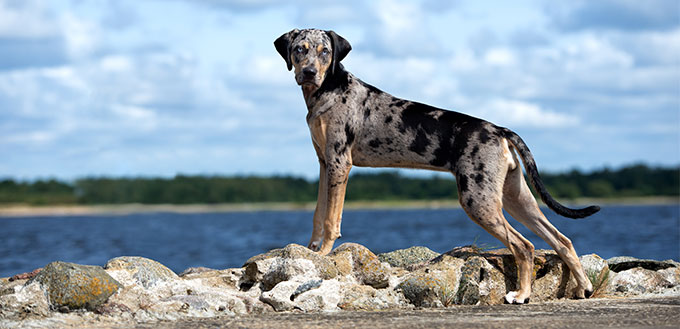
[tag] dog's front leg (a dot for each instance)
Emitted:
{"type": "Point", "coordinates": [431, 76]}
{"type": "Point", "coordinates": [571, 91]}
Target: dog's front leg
{"type": "Point", "coordinates": [336, 183]}
{"type": "Point", "coordinates": [320, 211]}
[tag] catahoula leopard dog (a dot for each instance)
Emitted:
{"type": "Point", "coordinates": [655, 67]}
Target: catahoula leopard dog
{"type": "Point", "coordinates": [355, 124]}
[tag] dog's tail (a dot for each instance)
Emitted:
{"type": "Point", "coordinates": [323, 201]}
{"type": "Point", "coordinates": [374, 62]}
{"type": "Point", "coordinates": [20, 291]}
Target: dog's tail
{"type": "Point", "coordinates": [532, 172]}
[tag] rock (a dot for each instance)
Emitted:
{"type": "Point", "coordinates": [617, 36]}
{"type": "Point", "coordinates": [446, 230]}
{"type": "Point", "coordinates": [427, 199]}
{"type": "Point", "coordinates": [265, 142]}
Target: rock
{"type": "Point", "coordinates": [228, 278]}
{"type": "Point", "coordinates": [367, 298]}
{"type": "Point", "coordinates": [671, 274]}
{"type": "Point", "coordinates": [279, 296]}
{"type": "Point", "coordinates": [23, 301]}
{"type": "Point", "coordinates": [194, 270]}
{"type": "Point", "coordinates": [366, 266]}
{"type": "Point", "coordinates": [593, 264]}
{"type": "Point", "coordinates": [434, 285]}
{"type": "Point", "coordinates": [307, 286]}
{"type": "Point", "coordinates": [76, 286]}
{"type": "Point", "coordinates": [324, 298]}
{"type": "Point", "coordinates": [26, 276]}
{"type": "Point", "coordinates": [282, 264]}
{"type": "Point", "coordinates": [295, 278]}
{"type": "Point", "coordinates": [410, 256]}
{"type": "Point", "coordinates": [619, 264]}
{"type": "Point", "coordinates": [637, 281]}
{"type": "Point", "coordinates": [139, 270]}
{"type": "Point", "coordinates": [480, 283]}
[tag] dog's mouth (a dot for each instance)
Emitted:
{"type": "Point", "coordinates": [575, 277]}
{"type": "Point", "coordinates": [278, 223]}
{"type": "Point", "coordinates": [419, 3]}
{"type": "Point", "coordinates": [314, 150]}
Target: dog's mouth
{"type": "Point", "coordinates": [309, 83]}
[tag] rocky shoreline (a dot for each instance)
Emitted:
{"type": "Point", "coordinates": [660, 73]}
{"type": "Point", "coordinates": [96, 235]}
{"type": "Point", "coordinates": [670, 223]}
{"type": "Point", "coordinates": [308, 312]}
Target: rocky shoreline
{"type": "Point", "coordinates": [132, 291]}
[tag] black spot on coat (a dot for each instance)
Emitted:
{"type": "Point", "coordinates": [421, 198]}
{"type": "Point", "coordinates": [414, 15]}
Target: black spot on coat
{"type": "Point", "coordinates": [350, 134]}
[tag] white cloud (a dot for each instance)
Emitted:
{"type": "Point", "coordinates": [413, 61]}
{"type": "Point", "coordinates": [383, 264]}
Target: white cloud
{"type": "Point", "coordinates": [499, 57]}
{"type": "Point", "coordinates": [516, 113]}
{"type": "Point", "coordinates": [26, 19]}
{"type": "Point", "coordinates": [81, 36]}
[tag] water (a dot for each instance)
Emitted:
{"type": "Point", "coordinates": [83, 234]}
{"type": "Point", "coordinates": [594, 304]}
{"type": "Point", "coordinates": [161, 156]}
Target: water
{"type": "Point", "coordinates": [223, 240]}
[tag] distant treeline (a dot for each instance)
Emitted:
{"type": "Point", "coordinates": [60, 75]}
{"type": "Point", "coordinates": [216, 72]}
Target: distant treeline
{"type": "Point", "coordinates": [630, 181]}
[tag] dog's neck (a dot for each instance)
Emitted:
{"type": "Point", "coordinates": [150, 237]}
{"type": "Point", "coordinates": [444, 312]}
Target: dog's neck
{"type": "Point", "coordinates": [307, 92]}
{"type": "Point", "coordinates": [314, 96]}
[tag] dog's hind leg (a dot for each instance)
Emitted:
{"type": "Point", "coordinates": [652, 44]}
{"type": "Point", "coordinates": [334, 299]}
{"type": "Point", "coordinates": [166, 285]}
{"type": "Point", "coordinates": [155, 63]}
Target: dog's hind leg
{"type": "Point", "coordinates": [484, 208]}
{"type": "Point", "coordinates": [521, 205]}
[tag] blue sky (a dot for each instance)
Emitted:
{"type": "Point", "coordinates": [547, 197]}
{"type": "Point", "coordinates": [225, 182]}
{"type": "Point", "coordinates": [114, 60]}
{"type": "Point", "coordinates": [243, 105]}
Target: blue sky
{"type": "Point", "coordinates": [157, 88]}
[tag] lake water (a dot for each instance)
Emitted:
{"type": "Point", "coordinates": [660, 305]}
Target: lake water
{"type": "Point", "coordinates": [224, 240]}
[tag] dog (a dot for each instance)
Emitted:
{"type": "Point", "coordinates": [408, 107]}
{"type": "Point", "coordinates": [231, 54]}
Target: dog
{"type": "Point", "coordinates": [355, 124]}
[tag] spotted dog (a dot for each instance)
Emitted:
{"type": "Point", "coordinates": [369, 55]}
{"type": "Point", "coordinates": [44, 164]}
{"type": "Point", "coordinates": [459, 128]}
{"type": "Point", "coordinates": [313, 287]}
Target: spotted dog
{"type": "Point", "coordinates": [355, 124]}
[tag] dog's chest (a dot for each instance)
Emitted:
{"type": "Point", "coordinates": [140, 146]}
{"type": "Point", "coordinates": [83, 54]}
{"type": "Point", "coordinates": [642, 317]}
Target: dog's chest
{"type": "Point", "coordinates": [317, 128]}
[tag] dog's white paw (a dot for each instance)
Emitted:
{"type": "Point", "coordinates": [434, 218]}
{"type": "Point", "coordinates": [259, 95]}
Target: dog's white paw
{"type": "Point", "coordinates": [511, 298]}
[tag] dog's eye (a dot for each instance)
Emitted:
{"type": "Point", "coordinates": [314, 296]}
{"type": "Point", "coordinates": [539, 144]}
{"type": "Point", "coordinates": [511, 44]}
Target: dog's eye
{"type": "Point", "coordinates": [325, 51]}
{"type": "Point", "coordinates": [299, 49]}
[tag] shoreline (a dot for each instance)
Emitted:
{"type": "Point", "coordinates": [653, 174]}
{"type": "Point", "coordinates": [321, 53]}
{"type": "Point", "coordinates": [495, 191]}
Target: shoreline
{"type": "Point", "coordinates": [24, 210]}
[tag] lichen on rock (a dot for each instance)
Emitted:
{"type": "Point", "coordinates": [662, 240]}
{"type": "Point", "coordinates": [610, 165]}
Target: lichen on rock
{"type": "Point", "coordinates": [76, 286]}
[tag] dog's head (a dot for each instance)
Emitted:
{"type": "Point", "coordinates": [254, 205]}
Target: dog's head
{"type": "Point", "coordinates": [314, 54]}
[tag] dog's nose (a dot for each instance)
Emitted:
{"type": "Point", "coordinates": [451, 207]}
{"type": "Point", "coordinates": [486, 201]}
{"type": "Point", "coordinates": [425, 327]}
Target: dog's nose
{"type": "Point", "coordinates": [309, 71]}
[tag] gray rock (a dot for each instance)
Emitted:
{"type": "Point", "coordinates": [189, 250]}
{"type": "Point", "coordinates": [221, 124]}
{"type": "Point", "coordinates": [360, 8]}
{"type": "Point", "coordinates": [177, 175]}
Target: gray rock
{"type": "Point", "coordinates": [637, 281]}
{"type": "Point", "coordinates": [279, 296]}
{"type": "Point", "coordinates": [307, 286]}
{"type": "Point", "coordinates": [281, 264]}
{"type": "Point", "coordinates": [672, 275]}
{"type": "Point", "coordinates": [623, 263]}
{"type": "Point", "coordinates": [409, 256]}
{"type": "Point", "coordinates": [366, 267]}
{"type": "Point", "coordinates": [76, 286]}
{"type": "Point", "coordinates": [140, 270]}
{"type": "Point", "coordinates": [324, 298]}
{"type": "Point", "coordinates": [24, 301]}
{"type": "Point", "coordinates": [434, 285]}
{"type": "Point", "coordinates": [195, 270]}
{"type": "Point", "coordinates": [480, 283]}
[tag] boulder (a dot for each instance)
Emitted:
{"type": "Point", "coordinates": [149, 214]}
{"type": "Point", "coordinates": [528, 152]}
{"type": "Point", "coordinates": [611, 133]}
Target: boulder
{"type": "Point", "coordinates": [480, 283]}
{"type": "Point", "coordinates": [325, 297]}
{"type": "Point", "coordinates": [279, 297]}
{"type": "Point", "coordinates": [23, 300]}
{"type": "Point", "coordinates": [76, 286]}
{"type": "Point", "coordinates": [409, 256]}
{"type": "Point", "coordinates": [139, 270]}
{"type": "Point", "coordinates": [434, 285]}
{"type": "Point", "coordinates": [671, 274]}
{"type": "Point", "coordinates": [228, 278]}
{"type": "Point", "coordinates": [619, 264]}
{"type": "Point", "coordinates": [637, 281]}
{"type": "Point", "coordinates": [365, 265]}
{"type": "Point", "coordinates": [283, 264]}
{"type": "Point", "coordinates": [367, 298]}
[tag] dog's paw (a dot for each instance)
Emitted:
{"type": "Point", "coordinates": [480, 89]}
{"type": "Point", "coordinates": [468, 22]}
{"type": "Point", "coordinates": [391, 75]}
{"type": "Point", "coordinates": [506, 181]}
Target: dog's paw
{"type": "Point", "coordinates": [512, 298]}
{"type": "Point", "coordinates": [314, 245]}
{"type": "Point", "coordinates": [583, 294]}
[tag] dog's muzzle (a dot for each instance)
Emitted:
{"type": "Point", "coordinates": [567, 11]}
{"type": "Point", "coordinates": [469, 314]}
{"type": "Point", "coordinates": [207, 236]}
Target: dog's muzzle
{"type": "Point", "coordinates": [308, 76]}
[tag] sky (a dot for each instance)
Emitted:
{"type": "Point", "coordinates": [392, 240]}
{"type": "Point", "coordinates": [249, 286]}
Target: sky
{"type": "Point", "coordinates": [160, 88]}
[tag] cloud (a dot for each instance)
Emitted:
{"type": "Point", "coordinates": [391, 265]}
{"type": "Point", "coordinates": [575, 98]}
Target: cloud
{"type": "Point", "coordinates": [627, 15]}
{"type": "Point", "coordinates": [516, 113]}
{"type": "Point", "coordinates": [143, 94]}
{"type": "Point", "coordinates": [25, 20]}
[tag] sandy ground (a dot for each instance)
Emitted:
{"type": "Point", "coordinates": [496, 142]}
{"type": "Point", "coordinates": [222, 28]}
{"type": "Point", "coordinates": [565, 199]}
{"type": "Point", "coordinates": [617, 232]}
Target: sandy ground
{"type": "Point", "coordinates": [659, 312]}
{"type": "Point", "coordinates": [21, 210]}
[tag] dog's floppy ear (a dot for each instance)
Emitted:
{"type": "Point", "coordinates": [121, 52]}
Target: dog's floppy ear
{"type": "Point", "coordinates": [282, 45]}
{"type": "Point", "coordinates": [341, 48]}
